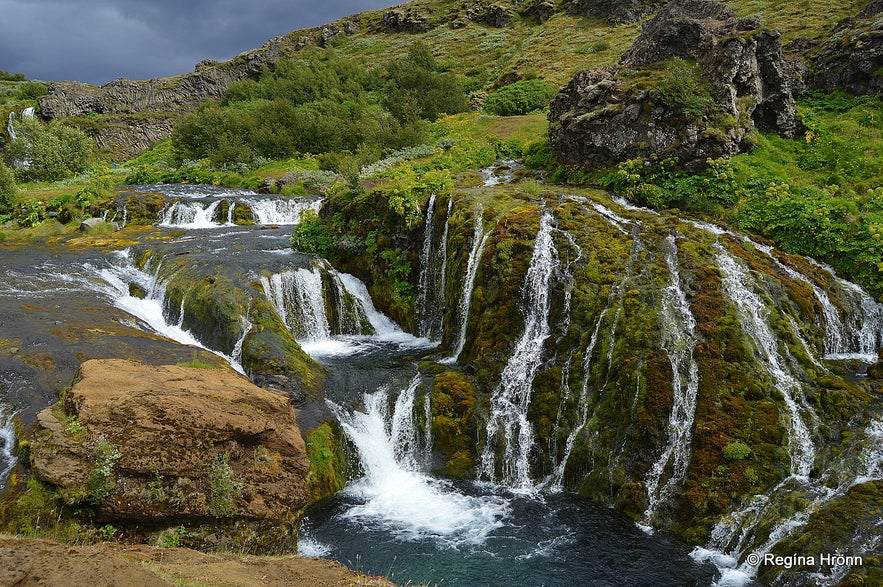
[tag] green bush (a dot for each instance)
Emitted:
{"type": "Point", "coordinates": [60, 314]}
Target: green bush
{"type": "Point", "coordinates": [736, 451]}
{"type": "Point", "coordinates": [520, 98]}
{"type": "Point", "coordinates": [682, 86]}
{"type": "Point", "coordinates": [311, 235]}
{"type": "Point", "coordinates": [54, 151]}
{"type": "Point", "coordinates": [8, 189]}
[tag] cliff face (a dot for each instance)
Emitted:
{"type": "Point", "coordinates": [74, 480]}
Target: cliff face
{"type": "Point", "coordinates": [655, 102]}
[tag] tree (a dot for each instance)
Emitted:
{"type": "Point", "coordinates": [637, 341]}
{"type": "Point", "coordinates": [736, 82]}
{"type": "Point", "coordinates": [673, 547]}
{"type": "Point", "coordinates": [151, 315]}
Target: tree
{"type": "Point", "coordinates": [51, 152]}
{"type": "Point", "coordinates": [416, 88]}
{"type": "Point", "coordinates": [8, 189]}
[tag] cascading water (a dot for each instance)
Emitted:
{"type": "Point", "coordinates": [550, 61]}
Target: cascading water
{"type": "Point", "coordinates": [678, 340]}
{"type": "Point", "coordinates": [7, 443]}
{"type": "Point", "coordinates": [508, 428]}
{"type": "Point", "coordinates": [115, 280]}
{"type": "Point", "coordinates": [430, 304]}
{"type": "Point", "coordinates": [183, 214]}
{"type": "Point", "coordinates": [280, 210]}
{"type": "Point", "coordinates": [393, 493]}
{"type": "Point", "coordinates": [479, 240]}
{"type": "Point", "coordinates": [754, 318]}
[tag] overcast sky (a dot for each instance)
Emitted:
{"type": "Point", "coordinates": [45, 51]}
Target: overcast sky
{"type": "Point", "coordinates": [97, 41]}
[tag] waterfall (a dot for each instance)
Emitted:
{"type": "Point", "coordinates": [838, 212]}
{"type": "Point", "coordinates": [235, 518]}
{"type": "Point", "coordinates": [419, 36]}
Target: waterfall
{"type": "Point", "coordinates": [10, 128]}
{"type": "Point", "coordinates": [427, 296]}
{"type": "Point", "coordinates": [299, 299]}
{"type": "Point", "coordinates": [863, 327]}
{"type": "Point", "coordinates": [330, 313]}
{"type": "Point", "coordinates": [394, 493]}
{"type": "Point", "coordinates": [115, 281]}
{"type": "Point", "coordinates": [184, 214]}
{"type": "Point", "coordinates": [753, 316]}
{"type": "Point", "coordinates": [679, 341]}
{"type": "Point", "coordinates": [479, 240]}
{"type": "Point", "coordinates": [280, 210]}
{"type": "Point", "coordinates": [508, 427]}
{"type": "Point", "coordinates": [7, 443]}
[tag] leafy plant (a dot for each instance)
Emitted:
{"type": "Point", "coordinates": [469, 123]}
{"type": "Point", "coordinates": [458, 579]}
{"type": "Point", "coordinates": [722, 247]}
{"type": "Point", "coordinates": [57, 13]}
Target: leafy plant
{"type": "Point", "coordinates": [224, 489]}
{"type": "Point", "coordinates": [736, 451]}
{"type": "Point", "coordinates": [520, 97]}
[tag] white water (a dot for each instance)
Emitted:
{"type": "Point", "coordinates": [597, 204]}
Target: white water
{"type": "Point", "coordinates": [150, 310]}
{"type": "Point", "coordinates": [280, 210]}
{"type": "Point", "coordinates": [679, 340]}
{"type": "Point", "coordinates": [192, 213]}
{"type": "Point", "coordinates": [424, 309]}
{"type": "Point", "coordinates": [479, 240]}
{"type": "Point", "coordinates": [299, 298]}
{"type": "Point", "coordinates": [754, 319]}
{"type": "Point", "coordinates": [508, 427]}
{"type": "Point", "coordinates": [395, 494]}
{"type": "Point", "coordinates": [7, 443]}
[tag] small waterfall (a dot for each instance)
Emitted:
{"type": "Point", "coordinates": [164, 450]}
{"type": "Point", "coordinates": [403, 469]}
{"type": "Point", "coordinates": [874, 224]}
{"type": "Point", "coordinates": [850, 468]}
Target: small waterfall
{"type": "Point", "coordinates": [427, 304]}
{"type": "Point", "coordinates": [330, 313]}
{"type": "Point", "coordinates": [479, 240]}
{"type": "Point", "coordinates": [678, 340]}
{"type": "Point", "coordinates": [299, 299]}
{"type": "Point", "coordinates": [863, 327]}
{"type": "Point", "coordinates": [394, 493]}
{"type": "Point", "coordinates": [8, 459]}
{"type": "Point", "coordinates": [191, 214]}
{"type": "Point", "coordinates": [10, 128]}
{"type": "Point", "coordinates": [753, 316]}
{"type": "Point", "coordinates": [280, 210]}
{"type": "Point", "coordinates": [150, 310]}
{"type": "Point", "coordinates": [508, 427]}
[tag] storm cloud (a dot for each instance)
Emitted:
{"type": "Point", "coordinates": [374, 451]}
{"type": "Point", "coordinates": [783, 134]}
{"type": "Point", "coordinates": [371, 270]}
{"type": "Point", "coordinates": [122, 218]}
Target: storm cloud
{"type": "Point", "coordinates": [97, 41]}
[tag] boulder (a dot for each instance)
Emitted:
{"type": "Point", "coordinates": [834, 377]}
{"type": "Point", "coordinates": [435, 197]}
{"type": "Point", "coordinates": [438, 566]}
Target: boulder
{"type": "Point", "coordinates": [405, 20]}
{"type": "Point", "coordinates": [165, 446]}
{"type": "Point", "coordinates": [740, 80]}
{"type": "Point", "coordinates": [91, 223]}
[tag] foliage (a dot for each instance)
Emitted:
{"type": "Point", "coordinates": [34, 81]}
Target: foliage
{"type": "Point", "coordinates": [31, 91]}
{"type": "Point", "coordinates": [8, 189]}
{"type": "Point", "coordinates": [53, 151]}
{"type": "Point", "coordinates": [102, 480]}
{"type": "Point", "coordinates": [11, 77]}
{"type": "Point", "coordinates": [682, 86]}
{"type": "Point", "coordinates": [416, 88]}
{"type": "Point", "coordinates": [736, 451]}
{"type": "Point", "coordinates": [224, 489]}
{"type": "Point", "coordinates": [520, 97]}
{"type": "Point", "coordinates": [320, 103]}
{"type": "Point", "coordinates": [312, 235]}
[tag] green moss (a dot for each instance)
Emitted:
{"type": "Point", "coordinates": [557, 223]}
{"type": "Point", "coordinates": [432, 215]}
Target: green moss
{"type": "Point", "coordinates": [327, 461]}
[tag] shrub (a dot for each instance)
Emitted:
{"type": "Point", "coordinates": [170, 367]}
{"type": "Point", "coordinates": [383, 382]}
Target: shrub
{"type": "Point", "coordinates": [682, 86]}
{"type": "Point", "coordinates": [311, 235]}
{"type": "Point", "coordinates": [8, 189]}
{"type": "Point", "coordinates": [54, 151]}
{"type": "Point", "coordinates": [520, 98]}
{"type": "Point", "coordinates": [736, 451]}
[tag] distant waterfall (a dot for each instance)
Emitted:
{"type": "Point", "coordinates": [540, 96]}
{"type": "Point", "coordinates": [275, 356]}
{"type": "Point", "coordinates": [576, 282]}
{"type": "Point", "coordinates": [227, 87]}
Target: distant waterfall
{"type": "Point", "coordinates": [10, 125]}
{"type": "Point", "coordinates": [394, 492]}
{"type": "Point", "coordinates": [508, 428]}
{"type": "Point", "coordinates": [479, 240]}
{"type": "Point", "coordinates": [678, 340]}
{"type": "Point", "coordinates": [200, 211]}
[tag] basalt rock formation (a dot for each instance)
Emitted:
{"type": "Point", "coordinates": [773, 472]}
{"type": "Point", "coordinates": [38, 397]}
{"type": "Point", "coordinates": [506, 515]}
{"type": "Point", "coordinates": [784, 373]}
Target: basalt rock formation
{"type": "Point", "coordinates": [655, 102]}
{"type": "Point", "coordinates": [159, 447]}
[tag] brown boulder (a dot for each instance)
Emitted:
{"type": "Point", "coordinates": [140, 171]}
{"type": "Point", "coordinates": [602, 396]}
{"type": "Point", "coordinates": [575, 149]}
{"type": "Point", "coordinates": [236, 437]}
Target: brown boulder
{"type": "Point", "coordinates": [165, 446]}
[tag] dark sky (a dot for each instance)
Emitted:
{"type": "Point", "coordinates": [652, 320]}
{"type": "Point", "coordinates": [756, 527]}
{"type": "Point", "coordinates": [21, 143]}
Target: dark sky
{"type": "Point", "coordinates": [97, 41]}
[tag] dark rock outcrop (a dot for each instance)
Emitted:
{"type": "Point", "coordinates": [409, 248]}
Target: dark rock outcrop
{"type": "Point", "coordinates": [614, 11]}
{"type": "Point", "coordinates": [405, 20]}
{"type": "Point", "coordinates": [852, 58]}
{"type": "Point", "coordinates": [156, 446]}
{"type": "Point", "coordinates": [611, 114]}
{"type": "Point", "coordinates": [538, 10]}
{"type": "Point", "coordinates": [490, 14]}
